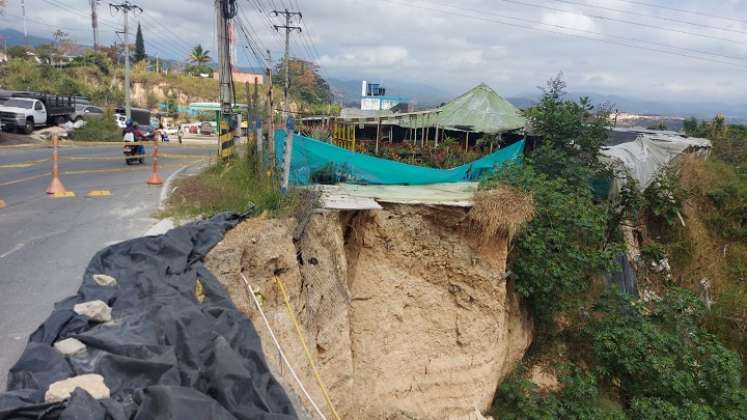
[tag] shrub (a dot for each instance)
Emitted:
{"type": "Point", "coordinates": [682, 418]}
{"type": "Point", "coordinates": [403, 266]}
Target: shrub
{"type": "Point", "coordinates": [563, 247]}
{"type": "Point", "coordinates": [661, 352]}
{"type": "Point", "coordinates": [662, 197]}
{"type": "Point", "coordinates": [99, 129]}
{"type": "Point", "coordinates": [579, 397]}
{"type": "Point", "coordinates": [232, 185]}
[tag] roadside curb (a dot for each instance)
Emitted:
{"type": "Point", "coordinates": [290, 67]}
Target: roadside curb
{"type": "Point", "coordinates": [167, 185]}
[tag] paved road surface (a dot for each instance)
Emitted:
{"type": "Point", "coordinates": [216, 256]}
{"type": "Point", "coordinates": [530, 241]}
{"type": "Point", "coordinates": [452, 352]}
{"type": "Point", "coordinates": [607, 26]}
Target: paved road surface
{"type": "Point", "coordinates": [46, 243]}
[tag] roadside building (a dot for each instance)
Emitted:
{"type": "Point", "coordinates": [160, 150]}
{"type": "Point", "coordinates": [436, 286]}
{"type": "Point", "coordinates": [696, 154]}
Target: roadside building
{"type": "Point", "coordinates": [243, 77]}
{"type": "Point", "coordinates": [374, 98]}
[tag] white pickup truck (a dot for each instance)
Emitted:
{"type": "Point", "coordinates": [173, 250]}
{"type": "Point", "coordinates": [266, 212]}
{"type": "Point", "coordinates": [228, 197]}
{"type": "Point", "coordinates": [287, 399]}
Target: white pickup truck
{"type": "Point", "coordinates": [27, 113]}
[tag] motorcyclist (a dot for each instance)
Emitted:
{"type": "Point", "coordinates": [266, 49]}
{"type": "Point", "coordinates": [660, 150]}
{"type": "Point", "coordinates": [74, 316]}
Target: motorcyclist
{"type": "Point", "coordinates": [132, 133]}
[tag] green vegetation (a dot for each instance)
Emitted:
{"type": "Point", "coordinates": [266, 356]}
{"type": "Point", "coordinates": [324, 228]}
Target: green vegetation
{"type": "Point", "coordinates": [139, 45]}
{"type": "Point", "coordinates": [199, 55]}
{"type": "Point", "coordinates": [307, 86]}
{"type": "Point", "coordinates": [565, 246]}
{"type": "Point", "coordinates": [233, 185]}
{"type": "Point", "coordinates": [679, 352]}
{"type": "Point", "coordinates": [99, 129]}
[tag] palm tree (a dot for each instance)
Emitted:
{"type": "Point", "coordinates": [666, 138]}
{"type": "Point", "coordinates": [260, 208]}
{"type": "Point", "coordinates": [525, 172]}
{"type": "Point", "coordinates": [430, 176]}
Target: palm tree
{"type": "Point", "coordinates": [199, 56]}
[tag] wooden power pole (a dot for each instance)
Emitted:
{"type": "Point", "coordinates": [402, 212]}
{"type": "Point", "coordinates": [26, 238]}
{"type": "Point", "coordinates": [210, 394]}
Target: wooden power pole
{"type": "Point", "coordinates": [288, 150]}
{"type": "Point", "coordinates": [95, 24]}
{"type": "Point", "coordinates": [126, 8]}
{"type": "Point", "coordinates": [268, 107]}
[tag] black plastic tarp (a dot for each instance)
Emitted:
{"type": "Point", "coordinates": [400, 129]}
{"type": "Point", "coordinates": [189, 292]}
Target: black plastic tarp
{"type": "Point", "coordinates": [164, 355]}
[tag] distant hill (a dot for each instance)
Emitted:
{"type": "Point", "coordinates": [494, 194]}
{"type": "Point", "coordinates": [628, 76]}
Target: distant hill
{"type": "Point", "coordinates": [14, 37]}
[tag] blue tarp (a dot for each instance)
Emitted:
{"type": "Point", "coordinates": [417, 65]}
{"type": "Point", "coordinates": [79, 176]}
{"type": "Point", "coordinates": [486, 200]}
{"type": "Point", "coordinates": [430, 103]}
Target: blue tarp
{"type": "Point", "coordinates": [313, 159]}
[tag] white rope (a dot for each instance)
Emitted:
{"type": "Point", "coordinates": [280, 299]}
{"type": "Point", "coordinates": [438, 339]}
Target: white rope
{"type": "Point", "coordinates": [280, 350]}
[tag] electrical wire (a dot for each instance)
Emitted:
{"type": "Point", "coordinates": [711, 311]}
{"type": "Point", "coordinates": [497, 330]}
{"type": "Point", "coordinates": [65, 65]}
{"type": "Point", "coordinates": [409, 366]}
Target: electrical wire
{"type": "Point", "coordinates": [482, 17]}
{"type": "Point", "coordinates": [645, 15]}
{"type": "Point", "coordinates": [691, 12]}
{"type": "Point", "coordinates": [624, 21]}
{"type": "Point", "coordinates": [596, 33]}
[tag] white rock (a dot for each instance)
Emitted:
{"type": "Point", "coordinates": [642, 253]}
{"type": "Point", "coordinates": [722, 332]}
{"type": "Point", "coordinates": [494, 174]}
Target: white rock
{"type": "Point", "coordinates": [104, 280]}
{"type": "Point", "coordinates": [91, 383]}
{"type": "Point", "coordinates": [95, 309]}
{"type": "Point", "coordinates": [69, 346]}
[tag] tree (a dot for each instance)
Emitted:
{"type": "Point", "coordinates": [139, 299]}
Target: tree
{"type": "Point", "coordinates": [199, 56]}
{"type": "Point", "coordinates": [572, 134]}
{"type": "Point", "coordinates": [18, 51]}
{"type": "Point", "coordinates": [305, 81]}
{"type": "Point", "coordinates": [139, 45]}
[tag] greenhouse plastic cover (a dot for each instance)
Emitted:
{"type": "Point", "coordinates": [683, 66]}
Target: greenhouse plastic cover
{"type": "Point", "coordinates": [165, 355]}
{"type": "Point", "coordinates": [645, 156]}
{"type": "Point", "coordinates": [310, 155]}
{"type": "Point", "coordinates": [480, 110]}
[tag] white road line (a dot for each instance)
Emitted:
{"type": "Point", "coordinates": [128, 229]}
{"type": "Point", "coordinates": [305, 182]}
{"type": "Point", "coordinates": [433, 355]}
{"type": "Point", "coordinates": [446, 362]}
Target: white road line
{"type": "Point", "coordinates": [15, 249]}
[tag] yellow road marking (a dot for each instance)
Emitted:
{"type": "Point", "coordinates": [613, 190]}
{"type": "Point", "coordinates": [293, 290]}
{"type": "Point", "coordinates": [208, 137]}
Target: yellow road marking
{"type": "Point", "coordinates": [142, 168]}
{"type": "Point", "coordinates": [99, 193]}
{"type": "Point", "coordinates": [28, 178]}
{"type": "Point", "coordinates": [30, 163]}
{"type": "Point", "coordinates": [2, 204]}
{"type": "Point", "coordinates": [66, 194]}
{"type": "Point", "coordinates": [24, 164]}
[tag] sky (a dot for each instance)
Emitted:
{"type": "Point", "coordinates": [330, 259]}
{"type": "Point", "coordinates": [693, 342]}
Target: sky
{"type": "Point", "coordinates": [697, 54]}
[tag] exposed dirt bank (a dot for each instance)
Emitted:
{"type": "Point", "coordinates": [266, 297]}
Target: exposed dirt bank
{"type": "Point", "coordinates": [407, 314]}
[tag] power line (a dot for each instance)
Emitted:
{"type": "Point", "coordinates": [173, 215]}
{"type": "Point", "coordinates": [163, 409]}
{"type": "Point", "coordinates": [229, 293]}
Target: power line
{"type": "Point", "coordinates": [645, 15]}
{"type": "Point", "coordinates": [674, 9]}
{"type": "Point", "coordinates": [601, 34]}
{"type": "Point", "coordinates": [627, 22]}
{"type": "Point", "coordinates": [607, 41]}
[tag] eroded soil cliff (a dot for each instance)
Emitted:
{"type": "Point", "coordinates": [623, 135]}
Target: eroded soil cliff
{"type": "Point", "coordinates": [405, 312]}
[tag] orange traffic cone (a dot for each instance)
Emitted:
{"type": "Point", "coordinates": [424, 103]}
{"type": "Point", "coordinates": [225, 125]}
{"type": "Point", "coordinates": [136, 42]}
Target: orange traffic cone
{"type": "Point", "coordinates": [154, 178]}
{"type": "Point", "coordinates": [56, 187]}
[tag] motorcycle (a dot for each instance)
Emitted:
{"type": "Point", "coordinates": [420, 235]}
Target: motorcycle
{"type": "Point", "coordinates": [134, 153]}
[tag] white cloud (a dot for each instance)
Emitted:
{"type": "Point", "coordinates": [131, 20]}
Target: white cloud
{"type": "Point", "coordinates": [571, 20]}
{"type": "Point", "coordinates": [369, 57]}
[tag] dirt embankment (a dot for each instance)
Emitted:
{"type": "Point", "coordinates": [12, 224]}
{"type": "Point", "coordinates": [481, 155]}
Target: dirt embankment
{"type": "Point", "coordinates": [406, 314]}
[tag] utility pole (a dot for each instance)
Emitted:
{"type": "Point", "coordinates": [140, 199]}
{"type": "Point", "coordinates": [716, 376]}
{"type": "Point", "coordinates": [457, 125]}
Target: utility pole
{"type": "Point", "coordinates": [225, 10]}
{"type": "Point", "coordinates": [269, 107]}
{"type": "Point", "coordinates": [25, 29]}
{"type": "Point", "coordinates": [288, 150]}
{"type": "Point", "coordinates": [255, 124]}
{"type": "Point", "coordinates": [126, 8]}
{"type": "Point", "coordinates": [95, 24]}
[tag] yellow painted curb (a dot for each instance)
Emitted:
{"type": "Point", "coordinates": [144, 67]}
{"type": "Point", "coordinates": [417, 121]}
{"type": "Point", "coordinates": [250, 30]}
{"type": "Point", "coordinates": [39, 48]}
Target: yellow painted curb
{"type": "Point", "coordinates": [99, 193]}
{"type": "Point", "coordinates": [66, 194]}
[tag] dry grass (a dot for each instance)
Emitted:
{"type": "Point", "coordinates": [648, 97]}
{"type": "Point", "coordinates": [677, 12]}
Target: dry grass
{"type": "Point", "coordinates": [500, 213]}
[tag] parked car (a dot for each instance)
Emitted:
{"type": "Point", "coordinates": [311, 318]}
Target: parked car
{"type": "Point", "coordinates": [84, 112]}
{"type": "Point", "coordinates": [29, 110]}
{"type": "Point", "coordinates": [207, 129]}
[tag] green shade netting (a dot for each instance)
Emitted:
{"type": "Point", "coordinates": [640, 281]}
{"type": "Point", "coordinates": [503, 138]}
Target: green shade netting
{"type": "Point", "coordinates": [314, 161]}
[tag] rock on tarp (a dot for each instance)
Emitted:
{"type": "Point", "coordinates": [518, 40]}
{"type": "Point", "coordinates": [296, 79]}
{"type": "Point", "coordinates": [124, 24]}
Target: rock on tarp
{"type": "Point", "coordinates": [164, 355]}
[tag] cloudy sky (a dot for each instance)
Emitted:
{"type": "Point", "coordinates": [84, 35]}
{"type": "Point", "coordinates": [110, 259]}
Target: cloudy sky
{"type": "Point", "coordinates": [636, 48]}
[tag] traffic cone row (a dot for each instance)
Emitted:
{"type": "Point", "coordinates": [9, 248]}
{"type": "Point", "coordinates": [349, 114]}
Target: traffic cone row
{"type": "Point", "coordinates": [57, 188]}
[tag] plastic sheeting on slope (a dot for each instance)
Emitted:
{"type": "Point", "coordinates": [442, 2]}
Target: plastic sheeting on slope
{"type": "Point", "coordinates": [648, 153]}
{"type": "Point", "coordinates": [164, 355]}
{"type": "Point", "coordinates": [312, 156]}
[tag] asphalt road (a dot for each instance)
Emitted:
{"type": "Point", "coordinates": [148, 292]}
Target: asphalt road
{"type": "Point", "coordinates": [46, 243]}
